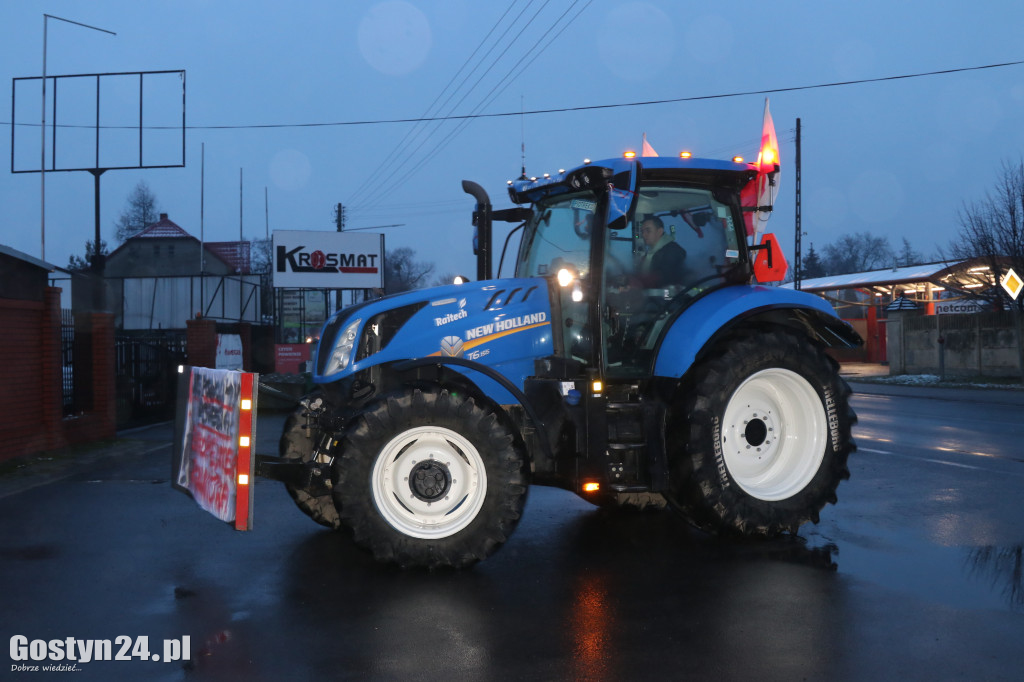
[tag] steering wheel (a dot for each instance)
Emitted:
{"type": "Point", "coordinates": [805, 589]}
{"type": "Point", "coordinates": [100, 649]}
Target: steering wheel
{"type": "Point", "coordinates": [681, 296]}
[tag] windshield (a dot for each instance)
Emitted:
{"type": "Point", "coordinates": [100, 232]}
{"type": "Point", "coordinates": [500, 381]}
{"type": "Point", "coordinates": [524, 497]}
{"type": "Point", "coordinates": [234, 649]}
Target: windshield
{"type": "Point", "coordinates": [558, 236]}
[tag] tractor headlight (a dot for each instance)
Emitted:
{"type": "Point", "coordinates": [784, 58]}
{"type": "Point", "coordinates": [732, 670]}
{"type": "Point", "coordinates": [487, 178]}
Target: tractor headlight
{"type": "Point", "coordinates": [342, 353]}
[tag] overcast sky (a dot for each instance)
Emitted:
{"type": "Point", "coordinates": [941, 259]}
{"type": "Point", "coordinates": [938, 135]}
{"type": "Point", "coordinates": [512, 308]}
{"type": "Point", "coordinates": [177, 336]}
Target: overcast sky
{"type": "Point", "coordinates": [896, 158]}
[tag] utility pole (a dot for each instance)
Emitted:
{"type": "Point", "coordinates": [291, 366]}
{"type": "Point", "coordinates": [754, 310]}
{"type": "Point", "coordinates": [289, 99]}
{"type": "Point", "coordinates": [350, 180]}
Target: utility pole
{"type": "Point", "coordinates": [339, 220]}
{"type": "Point", "coordinates": [339, 216]}
{"type": "Point", "coordinates": [799, 228]}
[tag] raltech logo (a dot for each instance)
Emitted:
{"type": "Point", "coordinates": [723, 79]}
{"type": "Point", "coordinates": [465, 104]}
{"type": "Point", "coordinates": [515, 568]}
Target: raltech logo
{"type": "Point", "coordinates": [299, 260]}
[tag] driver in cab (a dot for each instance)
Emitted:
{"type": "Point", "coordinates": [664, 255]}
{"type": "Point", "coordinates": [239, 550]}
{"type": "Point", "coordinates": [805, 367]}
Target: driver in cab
{"type": "Point", "coordinates": [663, 263]}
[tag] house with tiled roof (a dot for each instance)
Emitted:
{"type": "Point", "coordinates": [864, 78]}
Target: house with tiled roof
{"type": "Point", "coordinates": [163, 276]}
{"type": "Point", "coordinates": [166, 249]}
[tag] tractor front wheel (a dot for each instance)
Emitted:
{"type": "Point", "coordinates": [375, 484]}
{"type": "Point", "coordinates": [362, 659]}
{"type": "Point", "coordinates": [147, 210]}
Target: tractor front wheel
{"type": "Point", "coordinates": [429, 479]}
{"type": "Point", "coordinates": [297, 442]}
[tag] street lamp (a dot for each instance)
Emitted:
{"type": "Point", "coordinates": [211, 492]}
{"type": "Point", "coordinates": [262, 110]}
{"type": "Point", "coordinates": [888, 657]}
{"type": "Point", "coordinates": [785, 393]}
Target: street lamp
{"type": "Point", "coordinates": [42, 160]}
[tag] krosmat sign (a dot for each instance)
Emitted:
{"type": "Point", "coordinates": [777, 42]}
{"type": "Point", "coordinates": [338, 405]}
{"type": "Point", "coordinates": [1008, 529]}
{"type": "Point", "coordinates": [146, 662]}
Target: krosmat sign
{"type": "Point", "coordinates": [328, 260]}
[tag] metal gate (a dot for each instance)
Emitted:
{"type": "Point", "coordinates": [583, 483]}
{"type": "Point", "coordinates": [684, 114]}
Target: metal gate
{"type": "Point", "coordinates": [146, 376]}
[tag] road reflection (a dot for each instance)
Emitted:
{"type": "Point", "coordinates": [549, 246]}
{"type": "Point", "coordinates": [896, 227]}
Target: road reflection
{"type": "Point", "coordinates": [1003, 569]}
{"type": "Point", "coordinates": [590, 625]}
{"type": "Point", "coordinates": [600, 596]}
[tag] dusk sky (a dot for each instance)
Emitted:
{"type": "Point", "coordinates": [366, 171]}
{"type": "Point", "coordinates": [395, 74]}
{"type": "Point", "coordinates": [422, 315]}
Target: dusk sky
{"type": "Point", "coordinates": [895, 158]}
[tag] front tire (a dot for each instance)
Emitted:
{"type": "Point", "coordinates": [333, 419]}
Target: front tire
{"type": "Point", "coordinates": [297, 441]}
{"type": "Point", "coordinates": [428, 479]}
{"type": "Point", "coordinates": [765, 439]}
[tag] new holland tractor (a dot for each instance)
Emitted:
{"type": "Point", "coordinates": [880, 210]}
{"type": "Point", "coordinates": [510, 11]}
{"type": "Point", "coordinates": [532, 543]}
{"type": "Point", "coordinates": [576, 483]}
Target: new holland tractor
{"type": "Point", "coordinates": [598, 368]}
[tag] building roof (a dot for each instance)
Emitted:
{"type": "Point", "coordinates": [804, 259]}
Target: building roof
{"type": "Point", "coordinates": [165, 227]}
{"type": "Point", "coordinates": [902, 303]}
{"type": "Point", "coordinates": [31, 260]}
{"type": "Point", "coordinates": [874, 278]}
{"type": "Point", "coordinates": [235, 254]}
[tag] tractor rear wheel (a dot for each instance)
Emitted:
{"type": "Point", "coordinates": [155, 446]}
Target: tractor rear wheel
{"type": "Point", "coordinates": [765, 437]}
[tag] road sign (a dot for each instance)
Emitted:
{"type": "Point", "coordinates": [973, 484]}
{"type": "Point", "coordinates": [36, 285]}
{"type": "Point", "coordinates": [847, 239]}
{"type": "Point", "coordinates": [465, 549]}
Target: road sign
{"type": "Point", "coordinates": [1012, 283]}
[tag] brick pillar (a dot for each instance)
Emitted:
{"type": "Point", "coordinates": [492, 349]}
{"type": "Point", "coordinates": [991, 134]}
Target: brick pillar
{"type": "Point", "coordinates": [51, 371]}
{"type": "Point", "coordinates": [201, 340]}
{"type": "Point", "coordinates": [245, 332]}
{"type": "Point", "coordinates": [104, 402]}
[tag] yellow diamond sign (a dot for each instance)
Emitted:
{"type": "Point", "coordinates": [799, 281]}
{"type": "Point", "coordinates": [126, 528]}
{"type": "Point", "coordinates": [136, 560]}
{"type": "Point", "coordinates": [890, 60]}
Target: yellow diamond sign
{"type": "Point", "coordinates": [1012, 283]}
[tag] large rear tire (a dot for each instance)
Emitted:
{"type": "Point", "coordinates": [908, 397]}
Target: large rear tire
{"type": "Point", "coordinates": [297, 445]}
{"type": "Point", "coordinates": [765, 437]}
{"type": "Point", "coordinates": [428, 479]}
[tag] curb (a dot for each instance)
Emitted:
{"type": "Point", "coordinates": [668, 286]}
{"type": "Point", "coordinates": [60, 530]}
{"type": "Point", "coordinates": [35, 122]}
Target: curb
{"type": "Point", "coordinates": [994, 396]}
{"type": "Point", "coordinates": [20, 474]}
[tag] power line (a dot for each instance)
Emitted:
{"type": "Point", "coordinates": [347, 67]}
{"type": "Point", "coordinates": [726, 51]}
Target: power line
{"type": "Point", "coordinates": [492, 95]}
{"type": "Point", "coordinates": [417, 129]}
{"type": "Point", "coordinates": [558, 110]}
{"type": "Point", "coordinates": [409, 156]}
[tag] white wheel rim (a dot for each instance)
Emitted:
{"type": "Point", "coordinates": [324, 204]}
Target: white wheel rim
{"type": "Point", "coordinates": [774, 434]}
{"type": "Point", "coordinates": [443, 509]}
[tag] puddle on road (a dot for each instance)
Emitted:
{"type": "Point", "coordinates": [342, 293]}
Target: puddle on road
{"type": "Point", "coordinates": [990, 577]}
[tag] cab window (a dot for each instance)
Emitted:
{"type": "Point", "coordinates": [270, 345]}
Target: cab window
{"type": "Point", "coordinates": [679, 242]}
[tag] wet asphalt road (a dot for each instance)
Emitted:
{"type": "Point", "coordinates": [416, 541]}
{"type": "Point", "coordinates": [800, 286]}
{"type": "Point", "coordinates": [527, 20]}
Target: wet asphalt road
{"type": "Point", "coordinates": [915, 575]}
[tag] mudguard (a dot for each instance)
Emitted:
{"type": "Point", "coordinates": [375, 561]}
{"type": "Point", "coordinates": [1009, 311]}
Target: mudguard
{"type": "Point", "coordinates": [725, 308]}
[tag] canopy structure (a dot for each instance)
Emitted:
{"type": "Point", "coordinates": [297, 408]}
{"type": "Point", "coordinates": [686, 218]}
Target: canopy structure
{"type": "Point", "coordinates": [864, 298]}
{"type": "Point", "coordinates": [927, 283]}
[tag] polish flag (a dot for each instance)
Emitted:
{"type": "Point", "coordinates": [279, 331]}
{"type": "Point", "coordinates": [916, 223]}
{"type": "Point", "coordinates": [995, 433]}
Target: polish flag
{"type": "Point", "coordinates": [647, 150]}
{"type": "Point", "coordinates": [765, 187]}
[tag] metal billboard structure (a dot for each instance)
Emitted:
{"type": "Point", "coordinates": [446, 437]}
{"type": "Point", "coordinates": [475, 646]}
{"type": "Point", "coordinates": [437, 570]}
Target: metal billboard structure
{"type": "Point", "coordinates": [107, 141]}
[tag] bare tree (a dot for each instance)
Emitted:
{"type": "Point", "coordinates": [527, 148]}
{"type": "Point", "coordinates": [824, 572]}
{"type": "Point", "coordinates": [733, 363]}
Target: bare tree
{"type": "Point", "coordinates": [261, 257]}
{"type": "Point", "coordinates": [446, 278]}
{"type": "Point", "coordinates": [857, 253]}
{"type": "Point", "coordinates": [140, 212]}
{"type": "Point", "coordinates": [992, 229]}
{"type": "Point", "coordinates": [403, 273]}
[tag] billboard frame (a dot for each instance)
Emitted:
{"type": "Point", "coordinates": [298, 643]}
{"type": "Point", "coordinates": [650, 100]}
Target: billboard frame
{"type": "Point", "coordinates": [96, 167]}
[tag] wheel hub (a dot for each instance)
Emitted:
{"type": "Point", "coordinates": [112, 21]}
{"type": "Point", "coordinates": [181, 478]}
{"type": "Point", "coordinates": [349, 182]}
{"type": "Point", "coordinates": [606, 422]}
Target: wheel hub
{"type": "Point", "coordinates": [430, 480]}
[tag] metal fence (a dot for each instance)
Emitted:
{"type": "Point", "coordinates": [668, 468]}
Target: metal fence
{"type": "Point", "coordinates": [146, 367]}
{"type": "Point", "coordinates": [67, 360]}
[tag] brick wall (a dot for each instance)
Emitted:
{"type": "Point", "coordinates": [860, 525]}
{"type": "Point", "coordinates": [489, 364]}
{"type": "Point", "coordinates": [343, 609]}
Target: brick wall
{"type": "Point", "coordinates": [23, 426]}
{"type": "Point", "coordinates": [31, 406]}
{"type": "Point", "coordinates": [201, 337]}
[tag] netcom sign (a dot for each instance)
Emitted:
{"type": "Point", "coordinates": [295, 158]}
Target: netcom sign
{"type": "Point", "coordinates": [328, 260]}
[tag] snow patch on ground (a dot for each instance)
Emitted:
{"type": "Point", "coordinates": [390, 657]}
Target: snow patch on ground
{"type": "Point", "coordinates": [937, 381]}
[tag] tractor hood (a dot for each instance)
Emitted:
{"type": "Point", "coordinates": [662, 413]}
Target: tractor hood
{"type": "Point", "coordinates": [504, 324]}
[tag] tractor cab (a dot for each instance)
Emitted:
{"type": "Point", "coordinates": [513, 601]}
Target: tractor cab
{"type": "Point", "coordinates": [628, 245]}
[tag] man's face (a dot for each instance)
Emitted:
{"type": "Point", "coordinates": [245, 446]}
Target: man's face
{"type": "Point", "coordinates": [650, 232]}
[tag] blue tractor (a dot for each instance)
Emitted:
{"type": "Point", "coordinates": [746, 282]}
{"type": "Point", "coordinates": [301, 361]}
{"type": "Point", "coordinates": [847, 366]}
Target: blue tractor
{"type": "Point", "coordinates": [601, 367]}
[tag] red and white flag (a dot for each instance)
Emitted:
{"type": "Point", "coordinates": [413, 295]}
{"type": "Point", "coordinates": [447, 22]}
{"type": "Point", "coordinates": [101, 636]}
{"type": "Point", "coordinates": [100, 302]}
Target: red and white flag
{"type": "Point", "coordinates": [762, 190]}
{"type": "Point", "coordinates": [768, 174]}
{"type": "Point", "coordinates": [647, 150]}
{"type": "Point", "coordinates": [768, 157]}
